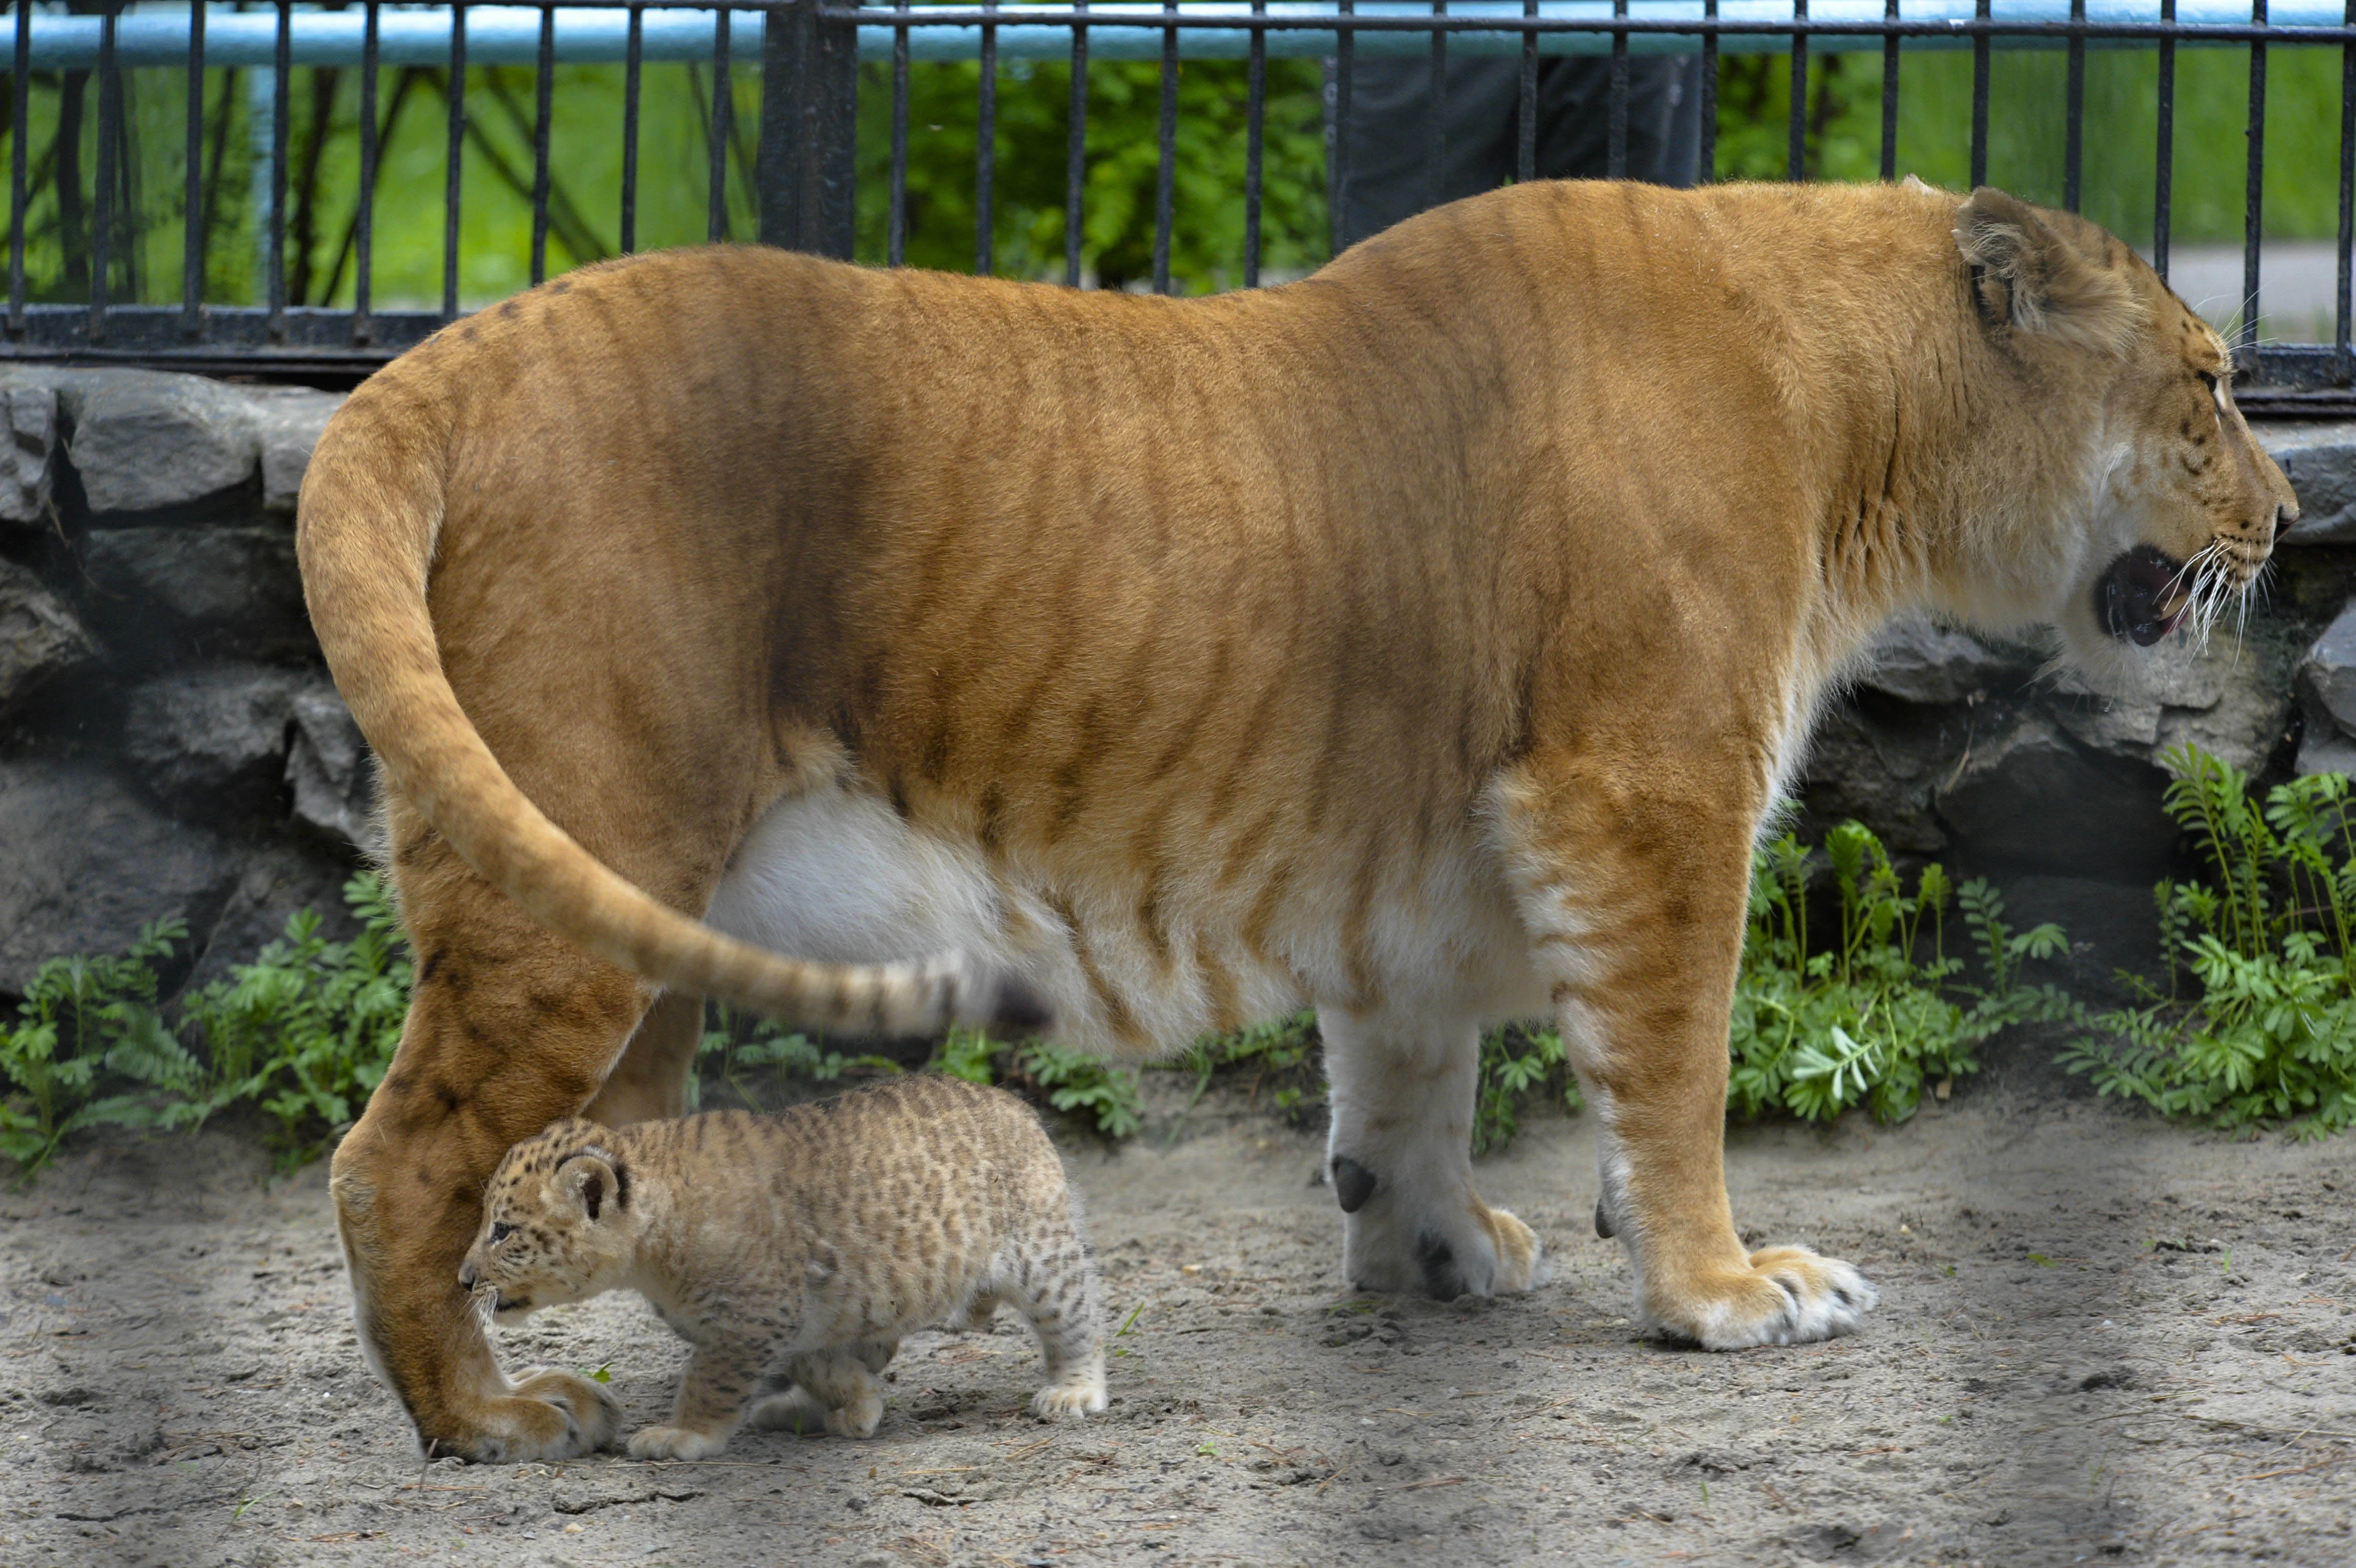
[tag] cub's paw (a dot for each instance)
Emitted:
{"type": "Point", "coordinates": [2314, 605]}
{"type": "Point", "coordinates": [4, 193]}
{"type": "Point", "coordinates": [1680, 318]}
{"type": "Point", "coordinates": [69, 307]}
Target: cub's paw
{"type": "Point", "coordinates": [795, 1411]}
{"type": "Point", "coordinates": [546, 1415]}
{"type": "Point", "coordinates": [1787, 1295]}
{"type": "Point", "coordinates": [674, 1443]}
{"type": "Point", "coordinates": [1080, 1396]}
{"type": "Point", "coordinates": [858, 1416]}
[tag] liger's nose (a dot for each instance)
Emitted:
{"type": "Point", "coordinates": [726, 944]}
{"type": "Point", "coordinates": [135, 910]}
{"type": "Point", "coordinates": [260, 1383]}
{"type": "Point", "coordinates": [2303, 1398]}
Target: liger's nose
{"type": "Point", "coordinates": [2286, 518]}
{"type": "Point", "coordinates": [466, 1275]}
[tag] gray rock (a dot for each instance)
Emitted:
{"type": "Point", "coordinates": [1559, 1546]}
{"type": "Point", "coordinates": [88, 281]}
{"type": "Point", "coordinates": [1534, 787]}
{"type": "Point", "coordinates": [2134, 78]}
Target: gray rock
{"type": "Point", "coordinates": [2031, 797]}
{"type": "Point", "coordinates": [289, 420]}
{"type": "Point", "coordinates": [2324, 749]}
{"type": "Point", "coordinates": [85, 860]}
{"type": "Point", "coordinates": [142, 440]}
{"type": "Point", "coordinates": [329, 770]}
{"type": "Point", "coordinates": [2319, 461]}
{"type": "Point", "coordinates": [30, 407]}
{"type": "Point", "coordinates": [1915, 659]}
{"type": "Point", "coordinates": [1882, 770]}
{"type": "Point", "coordinates": [238, 586]}
{"type": "Point", "coordinates": [2327, 676]}
{"type": "Point", "coordinates": [2229, 696]}
{"type": "Point", "coordinates": [213, 737]}
{"type": "Point", "coordinates": [39, 638]}
{"type": "Point", "coordinates": [274, 884]}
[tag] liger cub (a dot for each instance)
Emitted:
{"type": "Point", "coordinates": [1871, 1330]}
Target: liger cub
{"type": "Point", "coordinates": [792, 1251]}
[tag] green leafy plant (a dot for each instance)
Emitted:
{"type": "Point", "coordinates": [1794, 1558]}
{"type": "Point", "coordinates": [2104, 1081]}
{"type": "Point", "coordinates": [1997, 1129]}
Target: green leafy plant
{"type": "Point", "coordinates": [307, 1030]}
{"type": "Point", "coordinates": [1282, 1055]}
{"type": "Point", "coordinates": [736, 1046]}
{"type": "Point", "coordinates": [2271, 1035]}
{"type": "Point", "coordinates": [1074, 1082]}
{"type": "Point", "coordinates": [1518, 1061]}
{"type": "Point", "coordinates": [1876, 1012]}
{"type": "Point", "coordinates": [88, 1025]}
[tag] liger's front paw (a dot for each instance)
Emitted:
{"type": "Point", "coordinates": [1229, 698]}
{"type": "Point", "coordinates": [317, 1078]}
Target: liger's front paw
{"type": "Point", "coordinates": [1786, 1295]}
{"type": "Point", "coordinates": [1478, 1251]}
{"type": "Point", "coordinates": [548, 1415]}
{"type": "Point", "coordinates": [674, 1443]}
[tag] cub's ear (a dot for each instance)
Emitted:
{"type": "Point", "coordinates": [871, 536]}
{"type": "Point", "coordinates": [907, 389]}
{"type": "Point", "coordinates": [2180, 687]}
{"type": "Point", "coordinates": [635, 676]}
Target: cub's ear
{"type": "Point", "coordinates": [2027, 275]}
{"type": "Point", "coordinates": [588, 1180]}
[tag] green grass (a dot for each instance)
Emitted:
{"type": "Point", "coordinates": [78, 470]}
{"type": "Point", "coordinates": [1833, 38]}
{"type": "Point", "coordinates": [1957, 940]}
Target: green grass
{"type": "Point", "coordinates": [2025, 155]}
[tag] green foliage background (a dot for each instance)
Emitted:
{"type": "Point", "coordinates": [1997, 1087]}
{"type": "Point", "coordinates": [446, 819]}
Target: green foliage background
{"type": "Point", "coordinates": [1844, 142]}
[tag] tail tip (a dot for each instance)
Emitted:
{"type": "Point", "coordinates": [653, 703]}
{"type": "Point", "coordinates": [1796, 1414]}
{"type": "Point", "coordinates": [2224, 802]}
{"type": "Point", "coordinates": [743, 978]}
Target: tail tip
{"type": "Point", "coordinates": [1020, 1009]}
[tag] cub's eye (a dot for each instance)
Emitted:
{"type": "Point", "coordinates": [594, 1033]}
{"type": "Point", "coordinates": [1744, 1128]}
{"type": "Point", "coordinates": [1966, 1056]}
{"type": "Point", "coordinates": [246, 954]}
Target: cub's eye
{"type": "Point", "coordinates": [500, 1232]}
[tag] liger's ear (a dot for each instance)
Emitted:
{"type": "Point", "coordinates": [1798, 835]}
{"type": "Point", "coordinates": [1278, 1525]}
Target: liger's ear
{"type": "Point", "coordinates": [588, 1181]}
{"type": "Point", "coordinates": [2029, 275]}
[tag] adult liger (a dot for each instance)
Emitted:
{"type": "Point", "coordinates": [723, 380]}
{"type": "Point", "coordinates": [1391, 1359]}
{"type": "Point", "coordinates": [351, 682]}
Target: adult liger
{"type": "Point", "coordinates": [1424, 641]}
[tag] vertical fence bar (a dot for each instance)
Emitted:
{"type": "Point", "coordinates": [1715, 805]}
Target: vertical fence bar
{"type": "Point", "coordinates": [2163, 184]}
{"type": "Point", "coordinates": [1165, 174]}
{"type": "Point", "coordinates": [1435, 116]}
{"type": "Point", "coordinates": [1346, 62]}
{"type": "Point", "coordinates": [1255, 140]}
{"type": "Point", "coordinates": [1705, 166]}
{"type": "Point", "coordinates": [2344, 369]}
{"type": "Point", "coordinates": [20, 88]}
{"type": "Point", "coordinates": [364, 215]}
{"type": "Point", "coordinates": [543, 107]}
{"type": "Point", "coordinates": [457, 95]}
{"type": "Point", "coordinates": [1526, 160]}
{"type": "Point", "coordinates": [281, 109]}
{"type": "Point", "coordinates": [102, 222]}
{"type": "Point", "coordinates": [724, 116]}
{"type": "Point", "coordinates": [634, 55]}
{"type": "Point", "coordinates": [1796, 155]}
{"type": "Point", "coordinates": [2074, 134]}
{"type": "Point", "coordinates": [1979, 99]}
{"type": "Point", "coordinates": [1076, 154]}
{"type": "Point", "coordinates": [808, 164]}
{"type": "Point", "coordinates": [1615, 120]}
{"type": "Point", "coordinates": [2254, 193]}
{"type": "Point", "coordinates": [895, 241]}
{"type": "Point", "coordinates": [985, 149]}
{"type": "Point", "coordinates": [192, 180]}
{"type": "Point", "coordinates": [1889, 94]}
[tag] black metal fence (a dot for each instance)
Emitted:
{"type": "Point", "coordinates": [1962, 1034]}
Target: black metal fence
{"type": "Point", "coordinates": [806, 55]}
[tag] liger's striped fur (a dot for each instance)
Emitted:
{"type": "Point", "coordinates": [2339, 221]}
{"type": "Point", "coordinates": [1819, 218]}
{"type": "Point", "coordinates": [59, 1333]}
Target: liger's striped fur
{"type": "Point", "coordinates": [1424, 641]}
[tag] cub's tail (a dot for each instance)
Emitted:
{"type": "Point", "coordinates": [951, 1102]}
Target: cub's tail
{"type": "Point", "coordinates": [372, 510]}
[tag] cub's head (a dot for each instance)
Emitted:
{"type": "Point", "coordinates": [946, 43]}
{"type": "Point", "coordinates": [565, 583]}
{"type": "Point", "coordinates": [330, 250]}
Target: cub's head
{"type": "Point", "coordinates": [2182, 506]}
{"type": "Point", "coordinates": [557, 1224]}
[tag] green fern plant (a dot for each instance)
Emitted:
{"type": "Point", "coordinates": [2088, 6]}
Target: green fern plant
{"type": "Point", "coordinates": [1073, 1082]}
{"type": "Point", "coordinates": [307, 1030]}
{"type": "Point", "coordinates": [734, 1045]}
{"type": "Point", "coordinates": [2270, 1036]}
{"type": "Point", "coordinates": [1879, 1013]}
{"type": "Point", "coordinates": [87, 1025]}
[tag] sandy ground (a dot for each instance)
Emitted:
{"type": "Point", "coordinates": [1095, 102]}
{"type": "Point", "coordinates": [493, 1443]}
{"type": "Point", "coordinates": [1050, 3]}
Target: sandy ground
{"type": "Point", "coordinates": [2100, 1339]}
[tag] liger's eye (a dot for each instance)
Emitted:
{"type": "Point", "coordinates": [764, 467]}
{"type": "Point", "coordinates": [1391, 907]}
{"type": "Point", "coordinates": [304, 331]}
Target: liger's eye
{"type": "Point", "coordinates": [500, 1232]}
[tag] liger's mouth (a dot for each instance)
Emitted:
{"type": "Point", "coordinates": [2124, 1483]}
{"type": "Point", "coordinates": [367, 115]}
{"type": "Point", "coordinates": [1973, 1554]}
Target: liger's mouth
{"type": "Point", "coordinates": [2143, 596]}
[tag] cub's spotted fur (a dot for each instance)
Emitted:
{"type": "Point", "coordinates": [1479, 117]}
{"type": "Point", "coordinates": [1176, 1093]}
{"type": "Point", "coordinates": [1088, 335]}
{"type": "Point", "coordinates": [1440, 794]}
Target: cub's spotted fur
{"type": "Point", "coordinates": [794, 1251]}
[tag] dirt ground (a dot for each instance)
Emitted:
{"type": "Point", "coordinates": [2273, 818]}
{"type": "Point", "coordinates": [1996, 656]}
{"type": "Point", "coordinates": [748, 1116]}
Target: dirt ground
{"type": "Point", "coordinates": [2100, 1339]}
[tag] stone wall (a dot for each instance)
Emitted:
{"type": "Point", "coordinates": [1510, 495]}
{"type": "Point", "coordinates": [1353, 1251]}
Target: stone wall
{"type": "Point", "coordinates": [170, 743]}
